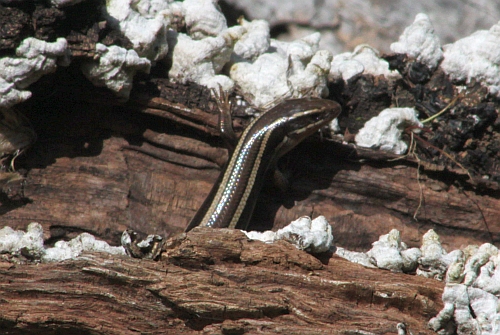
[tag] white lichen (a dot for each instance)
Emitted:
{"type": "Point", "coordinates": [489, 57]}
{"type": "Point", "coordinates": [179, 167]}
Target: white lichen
{"type": "Point", "coordinates": [33, 59]}
{"type": "Point", "coordinates": [263, 80]}
{"type": "Point", "coordinates": [476, 261]}
{"type": "Point", "coordinates": [476, 57]}
{"type": "Point", "coordinates": [435, 261]}
{"type": "Point", "coordinates": [84, 242]}
{"type": "Point", "coordinates": [363, 60]}
{"type": "Point", "coordinates": [313, 236]}
{"type": "Point", "coordinates": [200, 55]}
{"type": "Point", "coordinates": [203, 18]}
{"type": "Point", "coordinates": [471, 298]}
{"type": "Point", "coordinates": [392, 254]}
{"type": "Point", "coordinates": [9, 239]}
{"type": "Point", "coordinates": [286, 70]}
{"type": "Point", "coordinates": [485, 307]}
{"type": "Point", "coordinates": [389, 253]}
{"type": "Point", "coordinates": [144, 23]}
{"type": "Point", "coordinates": [471, 295]}
{"type": "Point", "coordinates": [115, 68]}
{"type": "Point", "coordinates": [64, 3]}
{"type": "Point", "coordinates": [384, 131]}
{"type": "Point", "coordinates": [488, 278]}
{"type": "Point", "coordinates": [202, 60]}
{"type": "Point", "coordinates": [356, 257]}
{"type": "Point", "coordinates": [9, 95]}
{"type": "Point", "coordinates": [303, 48]}
{"type": "Point", "coordinates": [30, 245]}
{"type": "Point", "coordinates": [420, 42]}
{"type": "Point", "coordinates": [457, 309]}
{"type": "Point", "coordinates": [254, 42]}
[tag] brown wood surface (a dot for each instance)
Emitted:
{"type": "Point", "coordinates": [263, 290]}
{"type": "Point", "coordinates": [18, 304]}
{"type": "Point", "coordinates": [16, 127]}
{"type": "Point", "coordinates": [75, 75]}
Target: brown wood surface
{"type": "Point", "coordinates": [106, 191]}
{"type": "Point", "coordinates": [101, 166]}
{"type": "Point", "coordinates": [215, 281]}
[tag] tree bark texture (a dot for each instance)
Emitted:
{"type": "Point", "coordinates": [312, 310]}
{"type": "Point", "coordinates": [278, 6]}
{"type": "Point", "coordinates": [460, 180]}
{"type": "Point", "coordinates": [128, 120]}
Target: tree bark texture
{"type": "Point", "coordinates": [101, 166]}
{"type": "Point", "coordinates": [216, 281]}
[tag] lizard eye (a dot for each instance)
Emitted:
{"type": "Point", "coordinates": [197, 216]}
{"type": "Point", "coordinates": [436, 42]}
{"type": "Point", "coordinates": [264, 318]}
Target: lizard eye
{"type": "Point", "coordinates": [313, 118]}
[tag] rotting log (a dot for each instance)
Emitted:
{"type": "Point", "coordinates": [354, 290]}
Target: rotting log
{"type": "Point", "coordinates": [100, 166]}
{"type": "Point", "coordinates": [216, 281]}
{"type": "Point", "coordinates": [98, 163]}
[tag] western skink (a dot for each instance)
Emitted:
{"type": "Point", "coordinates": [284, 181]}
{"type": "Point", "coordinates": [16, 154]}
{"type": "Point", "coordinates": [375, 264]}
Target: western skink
{"type": "Point", "coordinates": [232, 199]}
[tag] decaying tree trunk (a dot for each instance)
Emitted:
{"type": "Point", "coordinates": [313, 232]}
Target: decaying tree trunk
{"type": "Point", "coordinates": [101, 166]}
{"type": "Point", "coordinates": [216, 281]}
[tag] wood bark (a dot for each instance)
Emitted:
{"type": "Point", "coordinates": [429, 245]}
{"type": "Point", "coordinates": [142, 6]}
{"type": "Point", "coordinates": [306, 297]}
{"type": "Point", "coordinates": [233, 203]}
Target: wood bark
{"type": "Point", "coordinates": [216, 281]}
{"type": "Point", "coordinates": [101, 166]}
{"type": "Point", "coordinates": [101, 169]}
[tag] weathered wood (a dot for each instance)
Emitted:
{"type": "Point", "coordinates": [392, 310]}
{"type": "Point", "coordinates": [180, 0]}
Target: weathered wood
{"type": "Point", "coordinates": [216, 281]}
{"type": "Point", "coordinates": [81, 178]}
{"type": "Point", "coordinates": [94, 185]}
{"type": "Point", "coordinates": [113, 189]}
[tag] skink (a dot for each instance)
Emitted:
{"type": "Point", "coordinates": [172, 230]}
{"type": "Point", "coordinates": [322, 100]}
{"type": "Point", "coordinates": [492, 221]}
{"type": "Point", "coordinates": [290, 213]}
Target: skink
{"type": "Point", "coordinates": [232, 200]}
